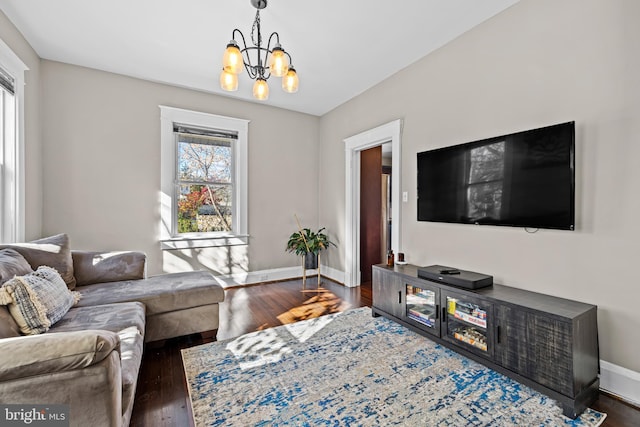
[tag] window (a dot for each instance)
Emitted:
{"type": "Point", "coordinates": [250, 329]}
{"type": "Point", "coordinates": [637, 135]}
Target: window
{"type": "Point", "coordinates": [204, 179]}
{"type": "Point", "coordinates": [11, 146]}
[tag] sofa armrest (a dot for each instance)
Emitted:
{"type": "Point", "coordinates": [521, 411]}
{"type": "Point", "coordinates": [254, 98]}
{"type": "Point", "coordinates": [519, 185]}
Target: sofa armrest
{"type": "Point", "coordinates": [99, 267]}
{"type": "Point", "coordinates": [54, 352]}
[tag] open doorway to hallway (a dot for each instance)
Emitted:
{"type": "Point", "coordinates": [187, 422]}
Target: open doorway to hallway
{"type": "Point", "coordinates": [375, 207]}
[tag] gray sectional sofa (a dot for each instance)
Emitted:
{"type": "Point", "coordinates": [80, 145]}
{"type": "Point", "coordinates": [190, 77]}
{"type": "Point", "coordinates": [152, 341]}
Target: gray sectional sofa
{"type": "Point", "coordinates": [91, 357]}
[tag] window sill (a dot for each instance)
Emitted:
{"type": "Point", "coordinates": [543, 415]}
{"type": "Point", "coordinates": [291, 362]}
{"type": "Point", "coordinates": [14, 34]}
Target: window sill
{"type": "Point", "coordinates": [177, 243]}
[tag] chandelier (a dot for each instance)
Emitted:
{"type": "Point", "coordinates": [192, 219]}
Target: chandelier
{"type": "Point", "coordinates": [260, 62]}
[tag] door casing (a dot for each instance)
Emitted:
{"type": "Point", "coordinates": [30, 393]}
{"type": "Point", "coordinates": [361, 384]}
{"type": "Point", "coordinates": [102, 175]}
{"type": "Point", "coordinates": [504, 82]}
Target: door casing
{"type": "Point", "coordinates": [389, 132]}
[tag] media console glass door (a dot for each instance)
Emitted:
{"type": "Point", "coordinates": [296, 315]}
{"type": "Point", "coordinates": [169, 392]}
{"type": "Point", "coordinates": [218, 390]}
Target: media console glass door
{"type": "Point", "coordinates": [467, 323]}
{"type": "Point", "coordinates": [423, 306]}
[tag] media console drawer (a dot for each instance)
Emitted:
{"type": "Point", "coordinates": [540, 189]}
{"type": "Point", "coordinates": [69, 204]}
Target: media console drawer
{"type": "Point", "coordinates": [545, 342]}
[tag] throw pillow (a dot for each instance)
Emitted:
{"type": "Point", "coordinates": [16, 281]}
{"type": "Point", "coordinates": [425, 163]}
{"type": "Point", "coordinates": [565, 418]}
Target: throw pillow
{"type": "Point", "coordinates": [53, 251]}
{"type": "Point", "coordinates": [37, 300]}
{"type": "Point", "coordinates": [12, 264]}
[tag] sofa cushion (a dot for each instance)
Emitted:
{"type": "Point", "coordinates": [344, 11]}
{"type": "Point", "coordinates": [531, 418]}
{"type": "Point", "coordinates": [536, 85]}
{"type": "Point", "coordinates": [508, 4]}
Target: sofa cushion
{"type": "Point", "coordinates": [110, 317]}
{"type": "Point", "coordinates": [12, 264]}
{"type": "Point", "coordinates": [128, 321]}
{"type": "Point", "coordinates": [100, 267]}
{"type": "Point", "coordinates": [8, 326]}
{"type": "Point", "coordinates": [46, 353]}
{"type": "Point", "coordinates": [160, 294]}
{"type": "Point", "coordinates": [37, 300]}
{"type": "Point", "coordinates": [53, 251]}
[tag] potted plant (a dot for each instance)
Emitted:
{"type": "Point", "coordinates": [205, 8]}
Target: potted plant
{"type": "Point", "coordinates": [307, 243]}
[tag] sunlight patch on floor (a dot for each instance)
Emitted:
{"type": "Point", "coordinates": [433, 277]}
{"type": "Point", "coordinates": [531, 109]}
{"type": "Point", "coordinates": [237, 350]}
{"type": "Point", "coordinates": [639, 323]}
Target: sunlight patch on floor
{"type": "Point", "coordinates": [322, 302]}
{"type": "Point", "coordinates": [303, 331]}
{"type": "Point", "coordinates": [258, 348]}
{"type": "Point", "coordinates": [265, 346]}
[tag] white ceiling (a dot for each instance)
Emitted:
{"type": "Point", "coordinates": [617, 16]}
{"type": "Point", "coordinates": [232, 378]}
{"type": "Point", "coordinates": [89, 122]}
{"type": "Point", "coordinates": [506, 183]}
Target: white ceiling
{"type": "Point", "coordinates": [340, 48]}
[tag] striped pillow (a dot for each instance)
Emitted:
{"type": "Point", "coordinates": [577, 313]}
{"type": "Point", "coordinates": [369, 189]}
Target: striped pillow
{"type": "Point", "coordinates": [37, 300]}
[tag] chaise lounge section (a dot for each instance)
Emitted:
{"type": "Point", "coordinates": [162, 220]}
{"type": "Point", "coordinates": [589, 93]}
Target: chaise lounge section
{"type": "Point", "coordinates": [176, 304]}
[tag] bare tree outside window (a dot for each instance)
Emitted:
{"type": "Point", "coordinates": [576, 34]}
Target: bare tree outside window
{"type": "Point", "coordinates": [205, 184]}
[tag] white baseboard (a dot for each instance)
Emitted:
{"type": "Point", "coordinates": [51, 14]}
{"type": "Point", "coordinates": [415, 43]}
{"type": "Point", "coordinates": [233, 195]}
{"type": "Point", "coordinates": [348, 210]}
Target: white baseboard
{"type": "Point", "coordinates": [261, 276]}
{"type": "Point", "coordinates": [621, 382]}
{"type": "Point", "coordinates": [332, 273]}
{"type": "Point", "coordinates": [253, 277]}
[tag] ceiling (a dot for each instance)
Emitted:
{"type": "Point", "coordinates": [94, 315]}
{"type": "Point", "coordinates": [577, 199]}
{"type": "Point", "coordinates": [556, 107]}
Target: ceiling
{"type": "Point", "coordinates": [340, 48]}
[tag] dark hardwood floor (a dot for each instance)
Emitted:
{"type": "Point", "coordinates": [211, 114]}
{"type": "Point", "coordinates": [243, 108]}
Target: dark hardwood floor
{"type": "Point", "coordinates": [162, 398]}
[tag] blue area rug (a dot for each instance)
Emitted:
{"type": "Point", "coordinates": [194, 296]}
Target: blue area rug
{"type": "Point", "coordinates": [349, 369]}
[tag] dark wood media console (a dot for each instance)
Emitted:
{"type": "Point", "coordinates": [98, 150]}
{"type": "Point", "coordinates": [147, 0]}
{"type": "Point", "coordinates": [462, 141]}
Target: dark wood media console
{"type": "Point", "coordinates": [547, 343]}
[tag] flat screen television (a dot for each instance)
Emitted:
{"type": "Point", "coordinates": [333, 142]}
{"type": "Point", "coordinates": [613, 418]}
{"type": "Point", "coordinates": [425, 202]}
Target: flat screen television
{"type": "Point", "coordinates": [525, 179]}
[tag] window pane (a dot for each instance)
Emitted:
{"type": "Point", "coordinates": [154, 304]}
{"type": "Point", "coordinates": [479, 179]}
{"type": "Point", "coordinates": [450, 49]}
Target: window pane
{"type": "Point", "coordinates": [204, 208]}
{"type": "Point", "coordinates": [204, 161]}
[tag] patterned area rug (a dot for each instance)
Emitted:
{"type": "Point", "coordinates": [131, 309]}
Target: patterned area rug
{"type": "Point", "coordinates": [350, 369]}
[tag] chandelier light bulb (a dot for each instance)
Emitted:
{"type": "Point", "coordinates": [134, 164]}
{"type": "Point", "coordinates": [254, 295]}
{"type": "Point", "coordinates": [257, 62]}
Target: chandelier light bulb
{"type": "Point", "coordinates": [261, 89]}
{"type": "Point", "coordinates": [290, 81]}
{"type": "Point", "coordinates": [279, 64]}
{"type": "Point", "coordinates": [228, 81]}
{"type": "Point", "coordinates": [232, 61]}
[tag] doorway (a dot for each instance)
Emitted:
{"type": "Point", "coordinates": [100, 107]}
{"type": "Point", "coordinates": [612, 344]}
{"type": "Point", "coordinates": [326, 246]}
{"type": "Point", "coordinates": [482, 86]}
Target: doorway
{"type": "Point", "coordinates": [354, 145]}
{"type": "Point", "coordinates": [375, 207]}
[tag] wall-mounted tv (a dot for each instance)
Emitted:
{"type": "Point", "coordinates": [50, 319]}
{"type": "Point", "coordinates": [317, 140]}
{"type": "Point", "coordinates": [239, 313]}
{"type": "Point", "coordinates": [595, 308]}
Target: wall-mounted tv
{"type": "Point", "coordinates": [524, 179]}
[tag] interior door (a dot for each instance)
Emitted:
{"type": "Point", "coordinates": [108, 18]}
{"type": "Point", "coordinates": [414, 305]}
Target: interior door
{"type": "Point", "coordinates": [370, 210]}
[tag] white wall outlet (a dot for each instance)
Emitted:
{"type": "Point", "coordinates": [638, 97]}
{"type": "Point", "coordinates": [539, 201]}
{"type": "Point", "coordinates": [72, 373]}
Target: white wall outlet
{"type": "Point", "coordinates": [405, 197]}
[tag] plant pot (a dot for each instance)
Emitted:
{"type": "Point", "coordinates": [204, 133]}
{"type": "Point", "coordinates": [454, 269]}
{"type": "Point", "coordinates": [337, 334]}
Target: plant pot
{"type": "Point", "coordinates": [310, 261]}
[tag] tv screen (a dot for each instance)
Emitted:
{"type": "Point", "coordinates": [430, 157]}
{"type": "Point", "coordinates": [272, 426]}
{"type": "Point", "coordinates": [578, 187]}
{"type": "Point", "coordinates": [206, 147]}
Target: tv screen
{"type": "Point", "coordinates": [524, 179]}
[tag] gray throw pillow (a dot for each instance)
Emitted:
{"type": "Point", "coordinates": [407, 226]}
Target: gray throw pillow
{"type": "Point", "coordinates": [12, 264]}
{"type": "Point", "coordinates": [52, 251]}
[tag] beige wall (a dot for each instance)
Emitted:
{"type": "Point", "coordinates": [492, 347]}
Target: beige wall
{"type": "Point", "coordinates": [538, 63]}
{"type": "Point", "coordinates": [33, 145]}
{"type": "Point", "coordinates": [102, 168]}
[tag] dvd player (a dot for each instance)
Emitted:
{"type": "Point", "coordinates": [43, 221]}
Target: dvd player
{"type": "Point", "coordinates": [453, 276]}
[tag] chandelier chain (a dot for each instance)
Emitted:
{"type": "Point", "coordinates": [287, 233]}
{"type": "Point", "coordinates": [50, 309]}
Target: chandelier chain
{"type": "Point", "coordinates": [256, 26]}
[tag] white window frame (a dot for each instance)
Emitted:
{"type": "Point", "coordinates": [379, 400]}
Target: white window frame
{"type": "Point", "coordinates": [169, 236]}
{"type": "Point", "coordinates": [12, 170]}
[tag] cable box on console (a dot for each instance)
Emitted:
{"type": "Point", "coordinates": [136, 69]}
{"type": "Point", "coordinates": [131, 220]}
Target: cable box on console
{"type": "Point", "coordinates": [453, 276]}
